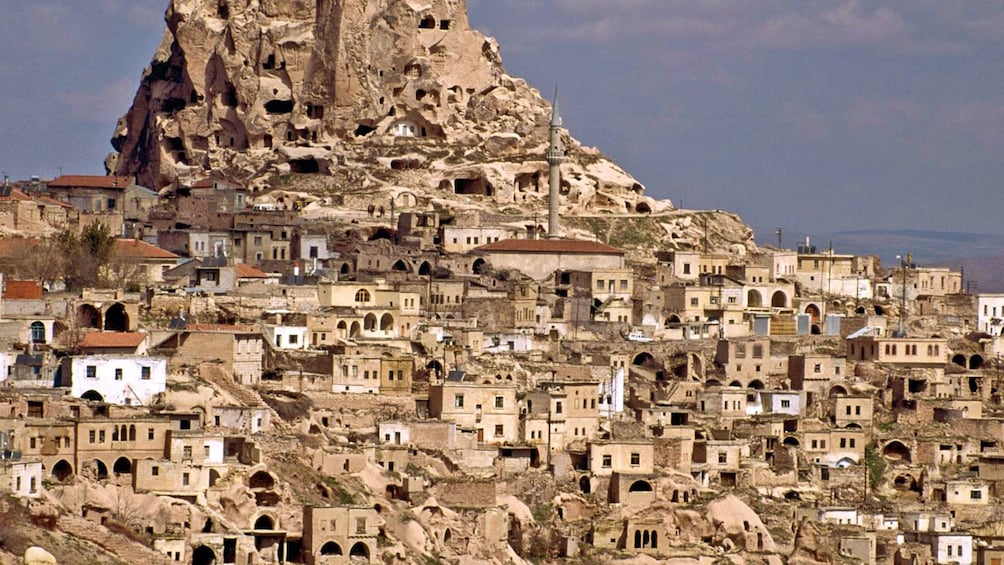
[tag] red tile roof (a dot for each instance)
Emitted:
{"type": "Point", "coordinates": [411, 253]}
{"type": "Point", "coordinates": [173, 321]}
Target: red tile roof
{"type": "Point", "coordinates": [90, 181]}
{"type": "Point", "coordinates": [551, 246]}
{"type": "Point", "coordinates": [23, 290]}
{"type": "Point", "coordinates": [139, 249]}
{"type": "Point", "coordinates": [96, 340]}
{"type": "Point", "coordinates": [214, 328]}
{"type": "Point", "coordinates": [245, 271]}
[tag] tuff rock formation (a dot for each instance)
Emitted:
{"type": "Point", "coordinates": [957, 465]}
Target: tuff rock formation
{"type": "Point", "coordinates": [253, 89]}
{"type": "Point", "coordinates": [353, 103]}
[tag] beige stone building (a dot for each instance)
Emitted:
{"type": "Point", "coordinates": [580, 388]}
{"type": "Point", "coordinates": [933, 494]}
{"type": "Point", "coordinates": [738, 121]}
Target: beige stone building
{"type": "Point", "coordinates": [489, 409]}
{"type": "Point", "coordinates": [338, 534]}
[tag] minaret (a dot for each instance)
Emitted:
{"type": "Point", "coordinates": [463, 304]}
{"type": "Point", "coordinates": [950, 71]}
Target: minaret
{"type": "Point", "coordinates": [555, 155]}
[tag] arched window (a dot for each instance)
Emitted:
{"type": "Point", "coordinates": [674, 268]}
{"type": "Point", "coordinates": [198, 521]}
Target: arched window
{"type": "Point", "coordinates": [37, 332]}
{"type": "Point", "coordinates": [362, 295]}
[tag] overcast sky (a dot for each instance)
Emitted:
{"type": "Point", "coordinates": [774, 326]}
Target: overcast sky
{"type": "Point", "coordinates": [815, 116]}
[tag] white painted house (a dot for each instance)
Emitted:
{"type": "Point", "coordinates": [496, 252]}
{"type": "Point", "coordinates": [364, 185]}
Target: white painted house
{"type": "Point", "coordinates": [116, 379]}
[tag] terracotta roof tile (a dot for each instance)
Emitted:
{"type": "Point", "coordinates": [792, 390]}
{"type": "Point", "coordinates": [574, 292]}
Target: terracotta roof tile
{"type": "Point", "coordinates": [214, 328]}
{"type": "Point", "coordinates": [90, 181]}
{"type": "Point", "coordinates": [139, 249]}
{"type": "Point", "coordinates": [23, 290]}
{"type": "Point", "coordinates": [245, 271]}
{"type": "Point", "coordinates": [112, 339]}
{"type": "Point", "coordinates": [551, 246]}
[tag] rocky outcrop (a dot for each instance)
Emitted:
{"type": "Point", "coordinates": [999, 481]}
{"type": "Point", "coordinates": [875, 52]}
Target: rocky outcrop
{"type": "Point", "coordinates": [364, 97]}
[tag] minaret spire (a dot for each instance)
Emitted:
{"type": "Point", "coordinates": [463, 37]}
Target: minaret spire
{"type": "Point", "coordinates": [555, 155]}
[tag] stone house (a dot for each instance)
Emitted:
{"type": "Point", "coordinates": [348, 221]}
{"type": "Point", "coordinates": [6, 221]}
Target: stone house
{"type": "Point", "coordinates": [990, 313]}
{"type": "Point", "coordinates": [899, 352]}
{"type": "Point", "coordinates": [539, 258]}
{"type": "Point", "coordinates": [233, 346]}
{"type": "Point", "coordinates": [853, 410]}
{"type": "Point", "coordinates": [678, 266]}
{"type": "Point", "coordinates": [92, 193]}
{"type": "Point", "coordinates": [819, 375]}
{"type": "Point", "coordinates": [745, 362]}
{"type": "Point", "coordinates": [339, 534]}
{"type": "Point", "coordinates": [117, 379]}
{"type": "Point", "coordinates": [489, 409]}
{"type": "Point", "coordinates": [21, 477]}
{"type": "Point", "coordinates": [723, 402]}
{"type": "Point", "coordinates": [34, 214]}
{"type": "Point", "coordinates": [112, 445]}
{"type": "Point", "coordinates": [141, 261]}
{"type": "Point", "coordinates": [628, 457]}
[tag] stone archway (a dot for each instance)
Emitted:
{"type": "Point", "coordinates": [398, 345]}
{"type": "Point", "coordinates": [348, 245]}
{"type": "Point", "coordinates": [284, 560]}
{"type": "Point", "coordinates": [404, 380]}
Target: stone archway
{"type": "Point", "coordinates": [754, 299]}
{"type": "Point", "coordinates": [116, 318]}
{"type": "Point", "coordinates": [779, 299]}
{"type": "Point", "coordinates": [203, 555]}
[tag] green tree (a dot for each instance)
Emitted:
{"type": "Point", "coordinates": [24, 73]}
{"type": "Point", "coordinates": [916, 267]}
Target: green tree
{"type": "Point", "coordinates": [85, 254]}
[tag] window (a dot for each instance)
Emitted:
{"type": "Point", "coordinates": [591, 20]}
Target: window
{"type": "Point", "coordinates": [848, 410]}
{"type": "Point", "coordinates": [499, 430]}
{"type": "Point", "coordinates": [118, 374]}
{"type": "Point", "coordinates": [185, 479]}
{"type": "Point", "coordinates": [31, 443]}
{"type": "Point", "coordinates": [362, 295]}
{"type": "Point", "coordinates": [458, 401]}
{"type": "Point", "coordinates": [145, 373]}
{"type": "Point", "coordinates": [499, 402]}
{"type": "Point", "coordinates": [101, 436]}
{"type": "Point", "coordinates": [294, 339]}
{"type": "Point", "coordinates": [635, 459]}
{"type": "Point", "coordinates": [607, 461]}
{"type": "Point", "coordinates": [624, 285]}
{"type": "Point", "coordinates": [360, 526]}
{"type": "Point", "coordinates": [785, 404]}
{"type": "Point", "coordinates": [817, 368]}
{"type": "Point", "coordinates": [92, 372]}
{"type": "Point", "coordinates": [599, 285]}
{"type": "Point", "coordinates": [37, 332]}
{"type": "Point", "coordinates": [155, 471]}
{"type": "Point", "coordinates": [723, 457]}
{"type": "Point", "coordinates": [149, 434]}
{"type": "Point", "coordinates": [694, 301]}
{"type": "Point", "coordinates": [976, 494]}
{"type": "Point", "coordinates": [90, 436]}
{"type": "Point", "coordinates": [257, 240]}
{"type": "Point", "coordinates": [843, 442]}
{"type": "Point", "coordinates": [558, 407]}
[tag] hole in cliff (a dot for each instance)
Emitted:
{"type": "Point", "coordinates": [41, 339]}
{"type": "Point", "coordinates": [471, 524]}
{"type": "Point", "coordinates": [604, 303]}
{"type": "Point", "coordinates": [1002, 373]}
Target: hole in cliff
{"type": "Point", "coordinates": [315, 111]}
{"type": "Point", "coordinates": [419, 94]}
{"type": "Point", "coordinates": [363, 129]}
{"type": "Point", "coordinates": [304, 166]}
{"type": "Point", "coordinates": [222, 10]}
{"type": "Point", "coordinates": [279, 106]}
{"type": "Point", "coordinates": [229, 99]}
{"type": "Point", "coordinates": [472, 186]}
{"type": "Point", "coordinates": [444, 24]}
{"type": "Point", "coordinates": [428, 22]}
{"type": "Point", "coordinates": [643, 208]}
{"type": "Point", "coordinates": [269, 62]}
{"type": "Point", "coordinates": [172, 105]}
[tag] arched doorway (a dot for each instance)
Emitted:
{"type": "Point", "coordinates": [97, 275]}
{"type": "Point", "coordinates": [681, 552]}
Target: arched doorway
{"type": "Point", "coordinates": [264, 522]}
{"type": "Point", "coordinates": [779, 299]}
{"type": "Point", "coordinates": [387, 323]}
{"type": "Point", "coordinates": [261, 479]}
{"type": "Point", "coordinates": [203, 555]}
{"type": "Point", "coordinates": [584, 484]}
{"type": "Point", "coordinates": [355, 329]}
{"type": "Point", "coordinates": [897, 451]}
{"type": "Point", "coordinates": [101, 470]}
{"type": "Point", "coordinates": [331, 548]}
{"type": "Point", "coordinates": [424, 269]}
{"type": "Point", "coordinates": [400, 266]}
{"type": "Point", "coordinates": [88, 317]}
{"type": "Point", "coordinates": [435, 367]}
{"type": "Point", "coordinates": [976, 361]}
{"type": "Point", "coordinates": [37, 332]}
{"type": "Point", "coordinates": [813, 311]}
{"type": "Point", "coordinates": [62, 470]}
{"type": "Point", "coordinates": [370, 322]}
{"type": "Point", "coordinates": [93, 396]}
{"type": "Point", "coordinates": [360, 550]}
{"type": "Point", "coordinates": [116, 318]}
{"type": "Point", "coordinates": [640, 486]}
{"type": "Point", "coordinates": [754, 299]}
{"type": "Point", "coordinates": [122, 466]}
{"type": "Point", "coordinates": [479, 266]}
{"type": "Point", "coordinates": [644, 359]}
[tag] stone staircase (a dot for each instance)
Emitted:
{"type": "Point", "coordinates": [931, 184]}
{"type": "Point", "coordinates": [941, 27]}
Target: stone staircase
{"type": "Point", "coordinates": [115, 544]}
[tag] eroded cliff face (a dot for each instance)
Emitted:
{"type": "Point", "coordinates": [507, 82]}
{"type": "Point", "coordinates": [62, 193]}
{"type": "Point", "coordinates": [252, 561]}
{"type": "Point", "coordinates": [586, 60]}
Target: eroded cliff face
{"type": "Point", "coordinates": [254, 89]}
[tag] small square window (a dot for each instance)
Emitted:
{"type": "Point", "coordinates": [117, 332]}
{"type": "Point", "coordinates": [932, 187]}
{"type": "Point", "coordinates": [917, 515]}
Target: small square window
{"type": "Point", "coordinates": [635, 459]}
{"type": "Point", "coordinates": [607, 461]}
{"type": "Point", "coordinates": [118, 374]}
{"type": "Point", "coordinates": [155, 471]}
{"type": "Point", "coordinates": [145, 373]}
{"type": "Point", "coordinates": [92, 371]}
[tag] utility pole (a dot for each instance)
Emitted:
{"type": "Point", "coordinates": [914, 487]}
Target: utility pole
{"type": "Point", "coordinates": [778, 231]}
